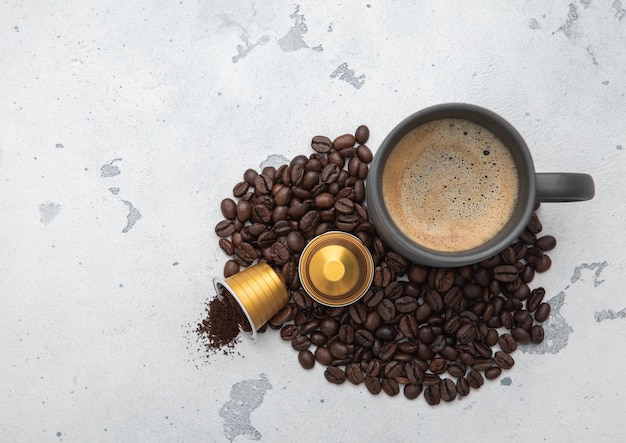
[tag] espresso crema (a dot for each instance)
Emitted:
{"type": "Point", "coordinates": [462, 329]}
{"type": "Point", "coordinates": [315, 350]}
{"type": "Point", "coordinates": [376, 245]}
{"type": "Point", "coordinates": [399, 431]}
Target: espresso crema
{"type": "Point", "coordinates": [450, 185]}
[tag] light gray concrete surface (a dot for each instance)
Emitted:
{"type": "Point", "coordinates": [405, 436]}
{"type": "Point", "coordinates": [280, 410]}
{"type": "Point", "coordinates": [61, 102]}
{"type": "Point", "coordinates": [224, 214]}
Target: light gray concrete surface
{"type": "Point", "coordinates": [123, 125]}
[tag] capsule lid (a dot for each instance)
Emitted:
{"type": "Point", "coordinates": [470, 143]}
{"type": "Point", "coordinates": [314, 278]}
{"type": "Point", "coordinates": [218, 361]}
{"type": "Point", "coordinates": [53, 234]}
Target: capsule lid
{"type": "Point", "coordinates": [336, 269]}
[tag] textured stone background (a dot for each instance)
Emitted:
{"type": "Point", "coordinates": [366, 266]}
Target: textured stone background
{"type": "Point", "coordinates": [123, 125]}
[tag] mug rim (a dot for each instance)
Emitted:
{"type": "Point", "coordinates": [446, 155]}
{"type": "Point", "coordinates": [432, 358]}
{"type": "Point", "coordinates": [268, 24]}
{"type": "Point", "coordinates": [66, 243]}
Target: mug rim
{"type": "Point", "coordinates": [525, 203]}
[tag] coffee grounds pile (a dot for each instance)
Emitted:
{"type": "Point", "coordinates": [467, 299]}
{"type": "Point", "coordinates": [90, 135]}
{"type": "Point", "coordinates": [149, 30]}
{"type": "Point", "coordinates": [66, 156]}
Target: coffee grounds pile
{"type": "Point", "coordinates": [220, 329]}
{"type": "Point", "coordinates": [435, 332]}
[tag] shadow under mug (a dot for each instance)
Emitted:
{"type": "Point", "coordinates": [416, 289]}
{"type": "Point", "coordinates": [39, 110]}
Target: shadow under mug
{"type": "Point", "coordinates": [533, 187]}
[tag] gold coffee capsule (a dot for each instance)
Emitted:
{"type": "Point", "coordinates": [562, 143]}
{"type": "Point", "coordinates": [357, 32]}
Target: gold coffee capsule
{"type": "Point", "coordinates": [336, 269]}
{"type": "Point", "coordinates": [260, 293]}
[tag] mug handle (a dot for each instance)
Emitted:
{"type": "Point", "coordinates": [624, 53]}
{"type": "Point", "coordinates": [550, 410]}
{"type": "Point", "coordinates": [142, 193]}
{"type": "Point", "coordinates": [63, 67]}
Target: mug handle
{"type": "Point", "coordinates": [564, 187]}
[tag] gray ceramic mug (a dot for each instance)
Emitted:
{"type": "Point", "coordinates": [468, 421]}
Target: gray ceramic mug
{"type": "Point", "coordinates": [532, 188]}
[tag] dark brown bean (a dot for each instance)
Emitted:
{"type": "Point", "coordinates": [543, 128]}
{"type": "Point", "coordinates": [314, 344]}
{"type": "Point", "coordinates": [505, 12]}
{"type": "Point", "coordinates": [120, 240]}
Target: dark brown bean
{"type": "Point", "coordinates": [543, 312]}
{"type": "Point", "coordinates": [306, 359]}
{"type": "Point", "coordinates": [322, 144]}
{"type": "Point", "coordinates": [362, 134]}
{"type": "Point", "coordinates": [335, 375]}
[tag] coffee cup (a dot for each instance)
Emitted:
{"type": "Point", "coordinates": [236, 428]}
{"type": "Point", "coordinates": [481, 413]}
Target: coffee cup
{"type": "Point", "coordinates": [454, 184]}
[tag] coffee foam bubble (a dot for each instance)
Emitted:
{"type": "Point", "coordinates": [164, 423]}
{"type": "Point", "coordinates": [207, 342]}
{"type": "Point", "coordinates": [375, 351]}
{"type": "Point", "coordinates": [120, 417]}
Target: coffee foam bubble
{"type": "Point", "coordinates": [450, 185]}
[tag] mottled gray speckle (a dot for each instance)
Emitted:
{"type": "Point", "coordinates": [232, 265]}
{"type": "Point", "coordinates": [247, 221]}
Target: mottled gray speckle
{"type": "Point", "coordinates": [114, 191]}
{"type": "Point", "coordinates": [245, 396]}
{"type": "Point", "coordinates": [48, 211]}
{"type": "Point", "coordinates": [609, 315]}
{"type": "Point", "coordinates": [294, 39]}
{"type": "Point", "coordinates": [247, 47]}
{"type": "Point", "coordinates": [59, 145]}
{"type": "Point", "coordinates": [506, 381]}
{"type": "Point", "coordinates": [597, 267]}
{"type": "Point", "coordinates": [274, 160]}
{"type": "Point", "coordinates": [346, 74]}
{"type": "Point", "coordinates": [620, 12]}
{"type": "Point", "coordinates": [132, 217]}
{"type": "Point", "coordinates": [618, 148]}
{"type": "Point", "coordinates": [570, 27]}
{"type": "Point", "coordinates": [557, 330]}
{"type": "Point", "coordinates": [585, 3]}
{"type": "Point", "coordinates": [534, 24]}
{"type": "Point", "coordinates": [110, 169]}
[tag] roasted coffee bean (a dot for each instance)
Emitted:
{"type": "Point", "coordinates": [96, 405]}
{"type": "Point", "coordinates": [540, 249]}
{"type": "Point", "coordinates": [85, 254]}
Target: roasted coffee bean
{"type": "Point", "coordinates": [263, 184]}
{"type": "Point", "coordinates": [354, 374]}
{"type": "Point", "coordinates": [521, 335]}
{"type": "Point", "coordinates": [491, 338]}
{"type": "Point", "coordinates": [447, 389]}
{"type": "Point", "coordinates": [505, 273]}
{"type": "Point", "coordinates": [444, 279]}
{"type": "Point", "coordinates": [373, 384]}
{"type": "Point", "coordinates": [364, 338]}
{"type": "Point", "coordinates": [362, 134]}
{"type": "Point", "coordinates": [309, 220]}
{"type": "Point", "coordinates": [373, 321]}
{"type": "Point", "coordinates": [454, 298]}
{"type": "Point", "coordinates": [426, 334]}
{"type": "Point", "coordinates": [226, 246]}
{"type": "Point", "coordinates": [385, 332]}
{"type": "Point", "coordinates": [527, 237]}
{"type": "Point", "coordinates": [408, 326]}
{"type": "Point", "coordinates": [300, 343]}
{"type": "Point", "coordinates": [396, 263]}
{"type": "Point", "coordinates": [225, 228]}
{"type": "Point", "coordinates": [417, 273]}
{"type": "Point", "coordinates": [475, 379]}
{"type": "Point", "coordinates": [346, 334]}
{"type": "Point", "coordinates": [295, 241]}
{"type": "Point", "coordinates": [344, 206]}
{"type": "Point", "coordinates": [534, 256]}
{"type": "Point", "coordinates": [438, 365]}
{"type": "Point", "coordinates": [503, 360]}
{"type": "Point", "coordinates": [301, 299]}
{"type": "Point", "coordinates": [543, 312]}
{"type": "Point", "coordinates": [462, 387]}
{"type": "Point", "coordinates": [546, 243]}
{"type": "Point", "coordinates": [358, 312]}
{"type": "Point", "coordinates": [434, 300]}
{"type": "Point", "coordinates": [329, 326]}
{"type": "Point", "coordinates": [534, 225]}
{"type": "Point", "coordinates": [472, 291]}
{"type": "Point", "coordinates": [231, 267]}
{"type": "Point", "coordinates": [286, 313]}
{"type": "Point", "coordinates": [535, 299]}
{"type": "Point", "coordinates": [324, 200]}
{"type": "Point", "coordinates": [347, 223]}
{"type": "Point", "coordinates": [338, 349]}
{"type": "Point", "coordinates": [507, 319]}
{"type": "Point", "coordinates": [335, 375]}
{"type": "Point", "coordinates": [386, 309]}
{"type": "Point", "coordinates": [449, 353]}
{"type": "Point", "coordinates": [507, 343]}
{"type": "Point", "coordinates": [249, 175]}
{"type": "Point", "coordinates": [309, 327]}
{"type": "Point", "coordinates": [279, 253]}
{"type": "Point", "coordinates": [466, 334]}
{"type": "Point", "coordinates": [527, 273]}
{"type": "Point", "coordinates": [306, 359]}
{"type": "Point", "coordinates": [393, 369]}
{"type": "Point", "coordinates": [482, 349]}
{"type": "Point", "coordinates": [544, 264]}
{"type": "Point", "coordinates": [493, 373]}
{"type": "Point", "coordinates": [508, 256]}
{"type": "Point", "coordinates": [229, 208]}
{"type": "Point", "coordinates": [432, 395]}
{"type": "Point", "coordinates": [321, 144]}
{"type": "Point", "coordinates": [406, 304]}
{"type": "Point", "coordinates": [318, 339]}
{"type": "Point", "coordinates": [323, 355]}
{"type": "Point", "coordinates": [261, 214]}
{"type": "Point", "coordinates": [245, 254]}
{"type": "Point", "coordinates": [456, 369]}
{"type": "Point", "coordinates": [536, 334]}
{"type": "Point", "coordinates": [391, 387]}
{"type": "Point", "coordinates": [482, 277]}
{"type": "Point", "coordinates": [412, 391]}
{"type": "Point", "coordinates": [310, 180]}
{"type": "Point", "coordinates": [240, 189]}
{"type": "Point", "coordinates": [344, 141]}
{"type": "Point", "coordinates": [393, 291]}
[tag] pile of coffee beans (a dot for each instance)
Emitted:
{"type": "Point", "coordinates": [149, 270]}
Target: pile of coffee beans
{"type": "Point", "coordinates": [418, 329]}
